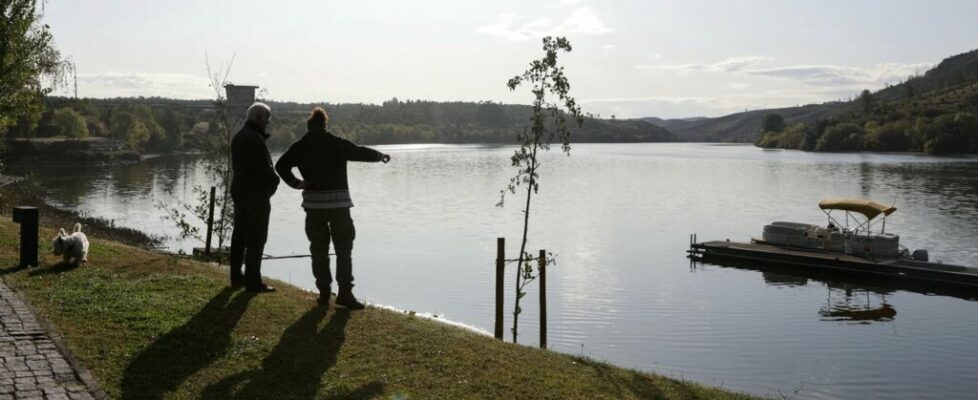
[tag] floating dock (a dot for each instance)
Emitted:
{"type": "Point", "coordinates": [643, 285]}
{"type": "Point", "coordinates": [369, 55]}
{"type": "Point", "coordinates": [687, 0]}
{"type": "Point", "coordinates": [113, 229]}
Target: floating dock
{"type": "Point", "coordinates": [832, 262]}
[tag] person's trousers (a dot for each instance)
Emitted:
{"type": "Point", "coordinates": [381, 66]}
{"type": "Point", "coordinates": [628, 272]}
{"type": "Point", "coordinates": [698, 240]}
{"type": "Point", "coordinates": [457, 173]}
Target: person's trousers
{"type": "Point", "coordinates": [321, 226]}
{"type": "Point", "coordinates": [248, 240]}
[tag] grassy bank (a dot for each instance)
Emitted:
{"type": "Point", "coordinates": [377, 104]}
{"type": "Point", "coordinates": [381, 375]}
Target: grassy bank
{"type": "Point", "coordinates": [149, 325]}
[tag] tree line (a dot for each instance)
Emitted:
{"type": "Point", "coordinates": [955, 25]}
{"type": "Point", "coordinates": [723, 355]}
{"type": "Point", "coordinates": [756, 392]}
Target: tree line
{"type": "Point", "coordinates": [166, 125]}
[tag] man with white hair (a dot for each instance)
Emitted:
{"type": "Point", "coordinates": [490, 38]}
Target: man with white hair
{"type": "Point", "coordinates": [252, 187]}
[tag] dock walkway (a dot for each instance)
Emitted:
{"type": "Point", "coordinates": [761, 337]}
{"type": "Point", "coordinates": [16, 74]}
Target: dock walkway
{"type": "Point", "coordinates": [890, 269]}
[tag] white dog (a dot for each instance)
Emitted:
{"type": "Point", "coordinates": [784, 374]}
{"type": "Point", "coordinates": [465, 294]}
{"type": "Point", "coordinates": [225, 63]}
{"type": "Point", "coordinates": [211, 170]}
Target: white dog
{"type": "Point", "coordinates": [73, 248]}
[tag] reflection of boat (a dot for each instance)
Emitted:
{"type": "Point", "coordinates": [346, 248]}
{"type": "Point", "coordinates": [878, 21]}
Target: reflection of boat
{"type": "Point", "coordinates": [840, 248]}
{"type": "Point", "coordinates": [884, 312]}
{"type": "Point", "coordinates": [851, 310]}
{"type": "Point", "coordinates": [788, 275]}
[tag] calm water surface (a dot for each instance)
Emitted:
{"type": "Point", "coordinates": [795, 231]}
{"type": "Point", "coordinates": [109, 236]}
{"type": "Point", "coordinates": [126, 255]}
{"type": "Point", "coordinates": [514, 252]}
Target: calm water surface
{"type": "Point", "coordinates": [618, 218]}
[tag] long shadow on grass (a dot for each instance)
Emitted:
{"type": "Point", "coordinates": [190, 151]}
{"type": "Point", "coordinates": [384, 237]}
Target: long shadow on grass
{"type": "Point", "coordinates": [294, 369]}
{"type": "Point", "coordinates": [55, 269]}
{"type": "Point", "coordinates": [186, 349]}
{"type": "Point", "coordinates": [12, 269]}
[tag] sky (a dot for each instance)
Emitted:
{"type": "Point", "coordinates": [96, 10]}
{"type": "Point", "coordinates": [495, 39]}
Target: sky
{"type": "Point", "coordinates": [631, 59]}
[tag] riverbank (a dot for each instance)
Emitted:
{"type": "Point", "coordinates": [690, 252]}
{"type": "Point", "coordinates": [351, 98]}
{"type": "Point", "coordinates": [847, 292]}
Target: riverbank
{"type": "Point", "coordinates": [148, 324]}
{"type": "Point", "coordinates": [19, 191]}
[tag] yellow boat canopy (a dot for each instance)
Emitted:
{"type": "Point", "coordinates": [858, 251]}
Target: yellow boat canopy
{"type": "Point", "coordinates": [869, 208]}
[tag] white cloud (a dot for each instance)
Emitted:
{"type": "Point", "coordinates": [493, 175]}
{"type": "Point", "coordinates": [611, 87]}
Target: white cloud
{"type": "Point", "coordinates": [836, 75]}
{"type": "Point", "coordinates": [737, 86]}
{"type": "Point", "coordinates": [733, 64]}
{"type": "Point", "coordinates": [608, 47]}
{"type": "Point", "coordinates": [817, 74]}
{"type": "Point", "coordinates": [711, 106]}
{"type": "Point", "coordinates": [581, 21]}
{"type": "Point", "coordinates": [117, 84]}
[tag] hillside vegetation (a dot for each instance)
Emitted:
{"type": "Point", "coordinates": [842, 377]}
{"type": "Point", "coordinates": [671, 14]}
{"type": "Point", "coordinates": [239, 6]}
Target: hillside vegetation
{"type": "Point", "coordinates": [934, 112]}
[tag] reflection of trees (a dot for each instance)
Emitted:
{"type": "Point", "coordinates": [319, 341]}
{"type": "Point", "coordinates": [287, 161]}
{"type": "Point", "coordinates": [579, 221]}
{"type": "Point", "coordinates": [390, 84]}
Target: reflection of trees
{"type": "Point", "coordinates": [955, 182]}
{"type": "Point", "coordinates": [70, 191]}
{"type": "Point", "coordinates": [171, 170]}
{"type": "Point", "coordinates": [67, 186]}
{"type": "Point", "coordinates": [129, 179]}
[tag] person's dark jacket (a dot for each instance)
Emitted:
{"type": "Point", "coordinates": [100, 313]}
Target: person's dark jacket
{"type": "Point", "coordinates": [254, 178]}
{"type": "Point", "coordinates": [321, 158]}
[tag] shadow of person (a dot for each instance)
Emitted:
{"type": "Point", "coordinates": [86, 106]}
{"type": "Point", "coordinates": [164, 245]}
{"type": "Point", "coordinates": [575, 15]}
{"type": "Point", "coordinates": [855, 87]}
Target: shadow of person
{"type": "Point", "coordinates": [186, 349]}
{"type": "Point", "coordinates": [294, 369]}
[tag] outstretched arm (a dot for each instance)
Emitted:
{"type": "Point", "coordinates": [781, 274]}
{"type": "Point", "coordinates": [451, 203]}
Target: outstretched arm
{"type": "Point", "coordinates": [355, 152]}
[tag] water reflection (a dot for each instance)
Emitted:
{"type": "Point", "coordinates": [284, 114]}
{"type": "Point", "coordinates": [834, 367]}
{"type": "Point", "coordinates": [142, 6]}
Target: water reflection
{"type": "Point", "coordinates": [856, 305]}
{"type": "Point", "coordinates": [776, 279]}
{"type": "Point", "coordinates": [783, 276]}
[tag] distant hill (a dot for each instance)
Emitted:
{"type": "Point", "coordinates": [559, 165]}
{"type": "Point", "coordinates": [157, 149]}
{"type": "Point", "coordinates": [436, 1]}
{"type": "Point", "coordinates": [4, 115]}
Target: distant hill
{"type": "Point", "coordinates": [743, 127]}
{"type": "Point", "coordinates": [949, 86]}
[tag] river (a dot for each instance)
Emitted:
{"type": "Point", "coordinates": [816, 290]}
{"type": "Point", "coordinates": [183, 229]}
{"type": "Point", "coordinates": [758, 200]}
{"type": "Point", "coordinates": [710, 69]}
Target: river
{"type": "Point", "coordinates": [618, 219]}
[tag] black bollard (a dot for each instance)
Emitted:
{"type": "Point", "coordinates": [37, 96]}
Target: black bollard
{"type": "Point", "coordinates": [26, 216]}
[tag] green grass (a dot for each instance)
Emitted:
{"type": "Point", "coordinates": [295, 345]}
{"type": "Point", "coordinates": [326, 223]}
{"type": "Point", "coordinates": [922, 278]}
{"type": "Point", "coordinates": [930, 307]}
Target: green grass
{"type": "Point", "coordinates": [149, 325]}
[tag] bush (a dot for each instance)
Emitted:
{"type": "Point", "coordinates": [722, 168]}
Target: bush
{"type": "Point", "coordinates": [69, 123]}
{"type": "Point", "coordinates": [840, 137]}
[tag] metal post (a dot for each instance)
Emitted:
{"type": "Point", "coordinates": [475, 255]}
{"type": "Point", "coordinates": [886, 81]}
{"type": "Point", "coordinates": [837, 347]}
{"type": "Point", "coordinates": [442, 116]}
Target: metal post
{"type": "Point", "coordinates": [27, 217]}
{"type": "Point", "coordinates": [210, 226]}
{"type": "Point", "coordinates": [500, 274]}
{"type": "Point", "coordinates": [543, 298]}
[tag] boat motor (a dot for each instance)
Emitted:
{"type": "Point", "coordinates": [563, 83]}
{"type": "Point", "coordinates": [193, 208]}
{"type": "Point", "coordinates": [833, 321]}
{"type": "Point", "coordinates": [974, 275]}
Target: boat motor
{"type": "Point", "coordinates": [919, 255]}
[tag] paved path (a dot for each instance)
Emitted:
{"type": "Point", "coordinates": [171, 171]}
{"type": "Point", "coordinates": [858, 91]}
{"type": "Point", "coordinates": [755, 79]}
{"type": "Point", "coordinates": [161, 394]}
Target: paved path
{"type": "Point", "coordinates": [31, 364]}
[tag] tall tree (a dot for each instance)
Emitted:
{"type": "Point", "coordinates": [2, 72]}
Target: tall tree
{"type": "Point", "coordinates": [549, 122]}
{"type": "Point", "coordinates": [27, 55]}
{"type": "Point", "coordinates": [69, 123]}
{"type": "Point", "coordinates": [867, 100]}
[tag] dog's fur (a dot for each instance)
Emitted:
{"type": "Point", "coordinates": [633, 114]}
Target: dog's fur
{"type": "Point", "coordinates": [73, 248]}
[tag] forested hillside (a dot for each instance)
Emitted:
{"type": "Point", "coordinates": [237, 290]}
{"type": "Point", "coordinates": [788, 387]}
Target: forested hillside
{"type": "Point", "coordinates": [933, 112]}
{"type": "Point", "coordinates": [161, 125]}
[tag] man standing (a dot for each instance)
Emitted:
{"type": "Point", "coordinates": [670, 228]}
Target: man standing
{"type": "Point", "coordinates": [252, 187]}
{"type": "Point", "coordinates": [321, 158]}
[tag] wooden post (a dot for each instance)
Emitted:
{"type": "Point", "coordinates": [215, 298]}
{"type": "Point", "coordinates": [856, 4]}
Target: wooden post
{"type": "Point", "coordinates": [500, 274]}
{"type": "Point", "coordinates": [543, 298]}
{"type": "Point", "coordinates": [28, 218]}
{"type": "Point", "coordinates": [210, 226]}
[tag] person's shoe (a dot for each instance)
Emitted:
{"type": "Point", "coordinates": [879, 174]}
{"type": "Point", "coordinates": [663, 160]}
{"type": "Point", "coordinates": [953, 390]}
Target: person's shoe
{"type": "Point", "coordinates": [323, 299]}
{"type": "Point", "coordinates": [347, 300]}
{"type": "Point", "coordinates": [263, 288]}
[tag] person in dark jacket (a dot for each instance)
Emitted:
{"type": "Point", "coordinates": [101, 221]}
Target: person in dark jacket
{"type": "Point", "coordinates": [321, 158]}
{"type": "Point", "coordinates": [252, 187]}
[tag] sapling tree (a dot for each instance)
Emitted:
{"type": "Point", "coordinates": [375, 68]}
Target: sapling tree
{"type": "Point", "coordinates": [216, 154]}
{"type": "Point", "coordinates": [552, 107]}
